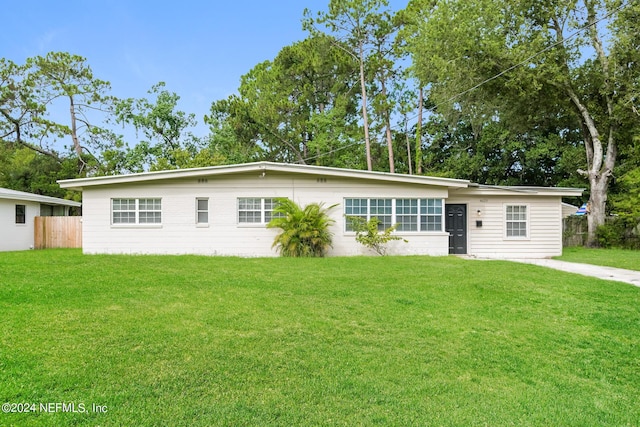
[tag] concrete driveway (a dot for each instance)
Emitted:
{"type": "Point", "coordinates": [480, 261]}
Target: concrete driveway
{"type": "Point", "coordinates": [606, 273]}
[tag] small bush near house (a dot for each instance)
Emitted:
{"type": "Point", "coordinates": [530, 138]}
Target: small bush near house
{"type": "Point", "coordinates": [305, 231]}
{"type": "Point", "coordinates": [368, 233]}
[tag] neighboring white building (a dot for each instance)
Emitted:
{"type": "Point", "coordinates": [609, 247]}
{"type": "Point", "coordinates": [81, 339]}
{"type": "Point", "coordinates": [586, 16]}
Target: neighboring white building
{"type": "Point", "coordinates": [568, 210]}
{"type": "Point", "coordinates": [17, 212]}
{"type": "Point", "coordinates": [222, 210]}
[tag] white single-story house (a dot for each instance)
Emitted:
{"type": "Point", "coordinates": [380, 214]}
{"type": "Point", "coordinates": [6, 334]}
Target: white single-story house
{"type": "Point", "coordinates": [17, 212]}
{"type": "Point", "coordinates": [223, 210]}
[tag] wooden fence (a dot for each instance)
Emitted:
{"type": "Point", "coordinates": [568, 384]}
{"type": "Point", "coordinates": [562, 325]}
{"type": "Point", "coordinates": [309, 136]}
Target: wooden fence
{"type": "Point", "coordinates": [574, 231]}
{"type": "Point", "coordinates": [58, 232]}
{"type": "Point", "coordinates": [617, 234]}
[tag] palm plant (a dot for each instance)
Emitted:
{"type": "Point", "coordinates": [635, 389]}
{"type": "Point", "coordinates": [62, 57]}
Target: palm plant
{"type": "Point", "coordinates": [305, 232]}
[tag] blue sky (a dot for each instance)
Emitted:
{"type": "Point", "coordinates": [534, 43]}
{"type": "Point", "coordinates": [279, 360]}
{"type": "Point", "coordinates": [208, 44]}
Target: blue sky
{"type": "Point", "coordinates": [199, 48]}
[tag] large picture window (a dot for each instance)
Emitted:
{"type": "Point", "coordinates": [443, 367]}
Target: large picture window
{"type": "Point", "coordinates": [413, 215]}
{"type": "Point", "coordinates": [516, 221]}
{"type": "Point", "coordinates": [136, 211]}
{"type": "Point", "coordinates": [255, 210]}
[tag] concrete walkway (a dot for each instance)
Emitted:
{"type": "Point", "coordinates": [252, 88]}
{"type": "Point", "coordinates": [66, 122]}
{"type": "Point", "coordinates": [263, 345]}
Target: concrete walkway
{"type": "Point", "coordinates": [606, 273]}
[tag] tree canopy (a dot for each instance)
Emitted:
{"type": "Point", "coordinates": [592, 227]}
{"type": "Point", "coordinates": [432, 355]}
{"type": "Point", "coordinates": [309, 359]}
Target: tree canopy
{"type": "Point", "coordinates": [517, 93]}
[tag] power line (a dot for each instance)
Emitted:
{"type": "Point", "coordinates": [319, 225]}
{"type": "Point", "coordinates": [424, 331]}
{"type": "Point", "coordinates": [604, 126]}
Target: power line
{"type": "Point", "coordinates": [525, 61]}
{"type": "Point", "coordinates": [500, 74]}
{"type": "Point", "coordinates": [333, 151]}
{"type": "Point", "coordinates": [559, 42]}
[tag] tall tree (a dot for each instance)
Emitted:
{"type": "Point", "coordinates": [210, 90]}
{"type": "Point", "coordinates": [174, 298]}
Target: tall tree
{"type": "Point", "coordinates": [525, 56]}
{"type": "Point", "coordinates": [354, 23]}
{"type": "Point", "coordinates": [495, 154]}
{"type": "Point", "coordinates": [21, 110]}
{"type": "Point", "coordinates": [385, 75]}
{"type": "Point", "coordinates": [168, 140]}
{"type": "Point", "coordinates": [408, 21]}
{"type": "Point", "coordinates": [60, 75]}
{"type": "Point", "coordinates": [30, 93]}
{"type": "Point", "coordinates": [295, 108]}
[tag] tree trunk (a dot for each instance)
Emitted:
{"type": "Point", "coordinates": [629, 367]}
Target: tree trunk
{"type": "Point", "coordinates": [74, 130]}
{"type": "Point", "coordinates": [600, 167]}
{"type": "Point", "coordinates": [406, 135]}
{"type": "Point", "coordinates": [419, 133]}
{"type": "Point", "coordinates": [387, 123]}
{"type": "Point", "coordinates": [599, 164]}
{"type": "Point", "coordinates": [596, 208]}
{"type": "Point", "coordinates": [74, 136]}
{"type": "Point", "coordinates": [365, 118]}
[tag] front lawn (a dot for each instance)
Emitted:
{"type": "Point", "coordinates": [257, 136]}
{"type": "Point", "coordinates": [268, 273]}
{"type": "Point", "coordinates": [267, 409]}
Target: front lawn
{"type": "Point", "coordinates": [620, 258]}
{"type": "Point", "coordinates": [205, 341]}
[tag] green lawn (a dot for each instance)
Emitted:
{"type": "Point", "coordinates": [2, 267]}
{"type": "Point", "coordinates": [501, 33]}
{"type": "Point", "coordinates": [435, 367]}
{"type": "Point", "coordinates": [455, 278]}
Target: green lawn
{"type": "Point", "coordinates": [200, 341]}
{"type": "Point", "coordinates": [620, 258]}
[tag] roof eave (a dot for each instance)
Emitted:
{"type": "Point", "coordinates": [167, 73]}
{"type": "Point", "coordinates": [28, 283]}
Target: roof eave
{"type": "Point", "coordinates": [79, 184]}
{"type": "Point", "coordinates": [498, 190]}
{"type": "Point", "coordinates": [40, 199]}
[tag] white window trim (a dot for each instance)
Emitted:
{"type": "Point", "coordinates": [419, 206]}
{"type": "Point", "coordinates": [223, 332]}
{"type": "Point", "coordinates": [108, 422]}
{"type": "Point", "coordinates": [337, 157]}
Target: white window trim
{"type": "Point", "coordinates": [208, 211]}
{"type": "Point", "coordinates": [15, 217]}
{"type": "Point", "coordinates": [528, 222]}
{"type": "Point", "coordinates": [137, 224]}
{"type": "Point", "coordinates": [394, 215]}
{"type": "Point", "coordinates": [262, 222]}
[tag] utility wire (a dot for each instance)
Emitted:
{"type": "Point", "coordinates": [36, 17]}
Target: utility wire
{"type": "Point", "coordinates": [519, 64]}
{"type": "Point", "coordinates": [525, 61]}
{"type": "Point", "coordinates": [559, 42]}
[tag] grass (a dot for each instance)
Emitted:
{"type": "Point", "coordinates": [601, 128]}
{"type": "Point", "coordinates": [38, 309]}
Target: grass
{"type": "Point", "coordinates": [620, 258]}
{"type": "Point", "coordinates": [198, 341]}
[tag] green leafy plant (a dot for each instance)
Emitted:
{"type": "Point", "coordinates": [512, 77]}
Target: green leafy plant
{"type": "Point", "coordinates": [305, 231]}
{"type": "Point", "coordinates": [368, 233]}
{"type": "Point", "coordinates": [619, 232]}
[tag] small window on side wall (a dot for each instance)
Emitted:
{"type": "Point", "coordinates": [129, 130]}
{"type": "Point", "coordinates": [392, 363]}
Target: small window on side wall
{"type": "Point", "coordinates": [517, 222]}
{"type": "Point", "coordinates": [202, 210]}
{"type": "Point", "coordinates": [21, 214]}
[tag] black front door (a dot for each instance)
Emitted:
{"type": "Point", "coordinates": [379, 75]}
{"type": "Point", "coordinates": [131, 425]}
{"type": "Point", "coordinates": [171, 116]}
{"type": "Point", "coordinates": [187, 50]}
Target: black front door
{"type": "Point", "coordinates": [456, 226]}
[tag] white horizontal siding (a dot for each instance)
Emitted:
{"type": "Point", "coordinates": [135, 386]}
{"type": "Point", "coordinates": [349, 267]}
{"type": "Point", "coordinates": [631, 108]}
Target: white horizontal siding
{"type": "Point", "coordinates": [17, 237]}
{"type": "Point", "coordinates": [179, 233]}
{"type": "Point", "coordinates": [545, 227]}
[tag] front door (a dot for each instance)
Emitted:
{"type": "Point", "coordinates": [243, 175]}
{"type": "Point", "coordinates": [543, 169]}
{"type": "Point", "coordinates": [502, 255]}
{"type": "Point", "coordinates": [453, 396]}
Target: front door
{"type": "Point", "coordinates": [456, 226]}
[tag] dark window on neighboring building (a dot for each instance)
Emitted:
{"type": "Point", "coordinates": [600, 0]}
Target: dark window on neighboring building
{"type": "Point", "coordinates": [21, 214]}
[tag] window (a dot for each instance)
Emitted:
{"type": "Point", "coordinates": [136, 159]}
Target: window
{"type": "Point", "coordinates": [516, 220]}
{"type": "Point", "coordinates": [356, 208]}
{"type": "Point", "coordinates": [409, 214]}
{"type": "Point", "coordinates": [123, 211]}
{"type": "Point", "coordinates": [269, 204]}
{"type": "Point", "coordinates": [149, 211]}
{"type": "Point", "coordinates": [431, 215]}
{"type": "Point", "coordinates": [382, 209]}
{"type": "Point", "coordinates": [21, 214]}
{"type": "Point", "coordinates": [136, 211]}
{"type": "Point", "coordinates": [255, 210]}
{"type": "Point", "coordinates": [202, 211]}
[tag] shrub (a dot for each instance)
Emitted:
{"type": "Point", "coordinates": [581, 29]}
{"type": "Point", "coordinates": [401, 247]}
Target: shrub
{"type": "Point", "coordinates": [619, 232]}
{"type": "Point", "coordinates": [305, 232]}
{"type": "Point", "coordinates": [368, 233]}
